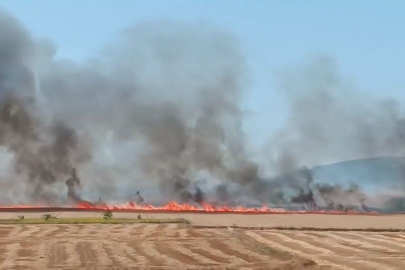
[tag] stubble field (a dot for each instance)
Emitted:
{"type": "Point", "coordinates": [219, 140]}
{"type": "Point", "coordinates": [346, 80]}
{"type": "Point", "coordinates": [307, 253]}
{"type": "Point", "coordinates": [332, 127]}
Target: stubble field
{"type": "Point", "coordinates": [181, 246]}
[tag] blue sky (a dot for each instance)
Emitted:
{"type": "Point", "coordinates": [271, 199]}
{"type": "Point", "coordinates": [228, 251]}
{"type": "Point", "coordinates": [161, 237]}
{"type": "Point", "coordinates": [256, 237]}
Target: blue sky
{"type": "Point", "coordinates": [365, 37]}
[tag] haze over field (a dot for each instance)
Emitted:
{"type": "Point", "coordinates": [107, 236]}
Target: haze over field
{"type": "Point", "coordinates": [162, 106]}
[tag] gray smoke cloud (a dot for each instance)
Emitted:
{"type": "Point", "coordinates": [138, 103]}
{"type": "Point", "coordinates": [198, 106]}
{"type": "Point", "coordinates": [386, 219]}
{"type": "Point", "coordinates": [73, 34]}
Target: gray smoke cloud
{"type": "Point", "coordinates": [162, 106]}
{"type": "Point", "coordinates": [166, 95]}
{"type": "Point", "coordinates": [41, 150]}
{"type": "Point", "coordinates": [331, 120]}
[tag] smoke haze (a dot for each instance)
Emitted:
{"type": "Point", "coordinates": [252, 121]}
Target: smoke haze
{"type": "Point", "coordinates": [162, 106]}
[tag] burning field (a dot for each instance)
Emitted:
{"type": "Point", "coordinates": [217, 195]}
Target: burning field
{"type": "Point", "coordinates": [163, 107]}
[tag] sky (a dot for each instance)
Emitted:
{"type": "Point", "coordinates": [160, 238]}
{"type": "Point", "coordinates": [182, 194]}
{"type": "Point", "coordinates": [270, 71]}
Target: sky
{"type": "Point", "coordinates": [365, 37]}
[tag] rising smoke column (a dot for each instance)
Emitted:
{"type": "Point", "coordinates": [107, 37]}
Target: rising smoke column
{"type": "Point", "coordinates": [171, 93]}
{"type": "Point", "coordinates": [167, 94]}
{"type": "Point", "coordinates": [41, 150]}
{"type": "Point", "coordinates": [73, 183]}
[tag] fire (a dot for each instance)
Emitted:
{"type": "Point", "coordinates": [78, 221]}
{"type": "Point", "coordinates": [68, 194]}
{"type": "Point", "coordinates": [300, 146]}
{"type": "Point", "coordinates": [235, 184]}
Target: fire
{"type": "Point", "coordinates": [174, 206]}
{"type": "Point", "coordinates": [170, 207]}
{"type": "Point", "coordinates": [204, 208]}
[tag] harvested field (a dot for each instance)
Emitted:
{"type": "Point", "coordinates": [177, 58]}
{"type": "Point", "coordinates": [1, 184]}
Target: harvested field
{"type": "Point", "coordinates": [136, 246]}
{"type": "Point", "coordinates": [211, 242]}
{"type": "Point", "coordinates": [339, 250]}
{"type": "Point", "coordinates": [179, 246]}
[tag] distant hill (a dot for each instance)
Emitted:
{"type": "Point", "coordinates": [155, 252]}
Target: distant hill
{"type": "Point", "coordinates": [372, 174]}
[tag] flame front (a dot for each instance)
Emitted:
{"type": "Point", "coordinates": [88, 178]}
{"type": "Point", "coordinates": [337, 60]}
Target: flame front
{"type": "Point", "coordinates": [171, 207]}
{"type": "Point", "coordinates": [174, 206]}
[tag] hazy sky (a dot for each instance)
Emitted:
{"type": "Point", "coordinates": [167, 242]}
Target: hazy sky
{"type": "Point", "coordinates": [367, 38]}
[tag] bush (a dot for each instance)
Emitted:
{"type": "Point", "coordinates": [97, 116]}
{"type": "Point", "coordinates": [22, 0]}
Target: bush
{"type": "Point", "coordinates": [107, 215]}
{"type": "Point", "coordinates": [49, 217]}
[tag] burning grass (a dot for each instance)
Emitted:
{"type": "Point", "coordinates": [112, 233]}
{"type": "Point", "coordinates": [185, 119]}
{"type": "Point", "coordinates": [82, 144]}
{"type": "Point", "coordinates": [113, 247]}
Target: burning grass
{"type": "Point", "coordinates": [175, 207]}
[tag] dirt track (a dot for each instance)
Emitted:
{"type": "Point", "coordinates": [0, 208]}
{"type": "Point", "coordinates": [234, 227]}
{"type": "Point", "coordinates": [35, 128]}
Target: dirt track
{"type": "Point", "coordinates": [164, 246]}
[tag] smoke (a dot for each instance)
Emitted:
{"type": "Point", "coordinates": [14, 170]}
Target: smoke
{"type": "Point", "coordinates": [336, 197]}
{"type": "Point", "coordinates": [41, 149]}
{"type": "Point", "coordinates": [331, 120]}
{"type": "Point", "coordinates": [73, 183]}
{"type": "Point", "coordinates": [166, 95]}
{"type": "Point", "coordinates": [162, 106]}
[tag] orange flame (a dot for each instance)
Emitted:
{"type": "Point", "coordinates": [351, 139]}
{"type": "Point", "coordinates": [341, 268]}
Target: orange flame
{"type": "Point", "coordinates": [174, 206]}
{"type": "Point", "coordinates": [171, 207]}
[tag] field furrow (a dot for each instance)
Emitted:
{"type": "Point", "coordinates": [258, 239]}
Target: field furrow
{"type": "Point", "coordinates": [174, 246]}
{"type": "Point", "coordinates": [339, 250]}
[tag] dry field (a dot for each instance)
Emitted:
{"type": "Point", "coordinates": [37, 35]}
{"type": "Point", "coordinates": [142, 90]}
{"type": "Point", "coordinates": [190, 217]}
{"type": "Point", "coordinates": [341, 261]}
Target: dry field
{"type": "Point", "coordinates": [339, 250]}
{"type": "Point", "coordinates": [178, 246]}
{"type": "Point", "coordinates": [135, 246]}
{"type": "Point", "coordinates": [380, 222]}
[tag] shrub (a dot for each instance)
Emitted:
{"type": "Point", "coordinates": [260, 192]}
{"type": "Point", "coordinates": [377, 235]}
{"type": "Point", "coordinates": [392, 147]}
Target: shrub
{"type": "Point", "coordinates": [107, 215]}
{"type": "Point", "coordinates": [47, 216]}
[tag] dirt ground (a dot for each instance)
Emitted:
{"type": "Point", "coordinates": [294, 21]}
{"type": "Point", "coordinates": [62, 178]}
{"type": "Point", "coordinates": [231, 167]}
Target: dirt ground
{"type": "Point", "coordinates": [253, 220]}
{"type": "Point", "coordinates": [174, 246]}
{"type": "Point", "coordinates": [136, 246]}
{"type": "Point", "coordinates": [180, 246]}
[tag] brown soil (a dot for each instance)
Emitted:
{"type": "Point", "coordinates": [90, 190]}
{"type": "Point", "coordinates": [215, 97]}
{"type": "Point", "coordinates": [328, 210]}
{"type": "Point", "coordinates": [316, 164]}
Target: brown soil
{"type": "Point", "coordinates": [320, 221]}
{"type": "Point", "coordinates": [339, 250]}
{"type": "Point", "coordinates": [136, 246]}
{"type": "Point", "coordinates": [177, 246]}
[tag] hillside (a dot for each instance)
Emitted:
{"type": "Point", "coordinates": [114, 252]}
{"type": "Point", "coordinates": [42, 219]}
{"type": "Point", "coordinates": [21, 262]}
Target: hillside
{"type": "Point", "coordinates": [372, 174]}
